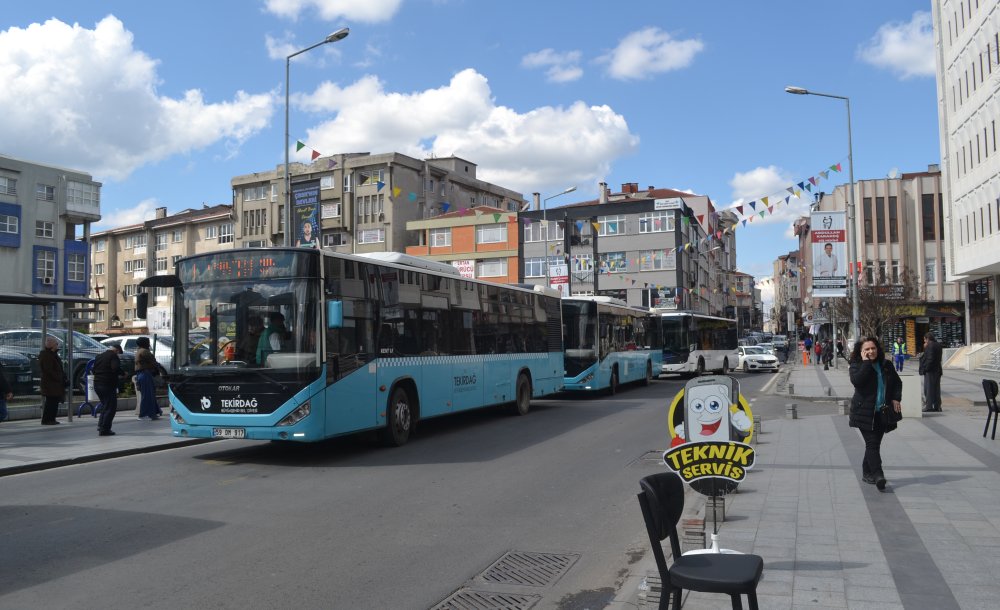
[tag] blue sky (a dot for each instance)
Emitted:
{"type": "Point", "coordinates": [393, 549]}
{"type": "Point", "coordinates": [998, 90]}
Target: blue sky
{"type": "Point", "coordinates": [165, 102]}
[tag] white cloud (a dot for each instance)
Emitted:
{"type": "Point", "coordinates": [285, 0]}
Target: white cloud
{"type": "Point", "coordinates": [561, 67]}
{"type": "Point", "coordinates": [94, 104]}
{"type": "Point", "coordinates": [906, 49]}
{"type": "Point", "coordinates": [539, 150]}
{"type": "Point", "coordinates": [770, 182]}
{"type": "Point", "coordinates": [649, 51]}
{"type": "Point", "coordinates": [368, 11]}
{"type": "Point", "coordinates": [123, 217]}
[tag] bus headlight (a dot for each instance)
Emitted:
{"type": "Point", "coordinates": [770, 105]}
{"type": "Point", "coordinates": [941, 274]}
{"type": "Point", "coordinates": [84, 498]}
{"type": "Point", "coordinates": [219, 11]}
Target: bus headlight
{"type": "Point", "coordinates": [297, 415]}
{"type": "Point", "coordinates": [177, 417]}
{"type": "Point", "coordinates": [588, 378]}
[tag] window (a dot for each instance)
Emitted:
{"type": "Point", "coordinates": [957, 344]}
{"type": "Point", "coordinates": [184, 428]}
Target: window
{"type": "Point", "coordinates": [534, 267]}
{"type": "Point", "coordinates": [178, 236]}
{"type": "Point", "coordinates": [660, 221]}
{"type": "Point", "coordinates": [256, 193]}
{"type": "Point", "coordinates": [326, 182]}
{"type": "Point", "coordinates": [256, 243]}
{"type": "Point", "coordinates": [440, 238]}
{"type": "Point", "coordinates": [161, 264]}
{"type": "Point", "coordinates": [330, 209]}
{"type": "Point", "coordinates": [491, 267]}
{"type": "Point", "coordinates": [491, 234]}
{"type": "Point", "coordinates": [226, 233]}
{"type": "Point", "coordinates": [582, 262]}
{"type": "Point", "coordinates": [657, 260]}
{"type": "Point", "coordinates": [893, 220]}
{"type": "Point", "coordinates": [8, 224]}
{"type": "Point", "coordinates": [347, 182]}
{"type": "Point", "coordinates": [882, 272]}
{"type": "Point", "coordinates": [371, 236]}
{"type": "Point", "coordinates": [83, 194]}
{"type": "Point", "coordinates": [611, 225]}
{"type": "Point", "coordinates": [8, 186]}
{"type": "Point", "coordinates": [99, 269]}
{"type": "Point", "coordinates": [129, 314]}
{"type": "Point", "coordinates": [76, 267]}
{"type": "Point", "coordinates": [45, 264]}
{"type": "Point", "coordinates": [161, 241]}
{"type": "Point", "coordinates": [927, 216]}
{"type": "Point", "coordinates": [100, 245]}
{"type": "Point", "coordinates": [894, 270]}
{"type": "Point", "coordinates": [613, 262]}
{"type": "Point", "coordinates": [99, 315]}
{"type": "Point", "coordinates": [211, 232]}
{"type": "Point", "coordinates": [174, 259]}
{"type": "Point", "coordinates": [930, 271]}
{"type": "Point", "coordinates": [869, 273]}
{"type": "Point", "coordinates": [370, 176]}
{"type": "Point", "coordinates": [44, 229]}
{"type": "Point", "coordinates": [335, 238]}
{"type": "Point", "coordinates": [135, 241]}
{"type": "Point", "coordinates": [128, 290]}
{"type": "Point", "coordinates": [866, 205]}
{"type": "Point", "coordinates": [880, 219]}
{"type": "Point", "coordinates": [536, 231]}
{"type": "Point", "coordinates": [44, 192]}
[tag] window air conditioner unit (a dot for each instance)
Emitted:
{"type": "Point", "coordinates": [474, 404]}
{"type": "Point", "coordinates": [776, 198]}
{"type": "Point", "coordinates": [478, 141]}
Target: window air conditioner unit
{"type": "Point", "coordinates": [48, 281]}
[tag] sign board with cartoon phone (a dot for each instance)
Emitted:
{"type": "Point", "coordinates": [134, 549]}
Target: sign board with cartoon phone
{"type": "Point", "coordinates": [710, 427]}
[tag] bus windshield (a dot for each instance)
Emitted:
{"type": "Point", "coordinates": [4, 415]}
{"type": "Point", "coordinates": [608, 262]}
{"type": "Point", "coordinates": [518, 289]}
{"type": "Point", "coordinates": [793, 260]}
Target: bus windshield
{"type": "Point", "coordinates": [579, 335]}
{"type": "Point", "coordinates": [676, 345]}
{"type": "Point", "coordinates": [266, 324]}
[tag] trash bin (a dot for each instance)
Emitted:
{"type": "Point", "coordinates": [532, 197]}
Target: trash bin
{"type": "Point", "coordinates": [805, 357]}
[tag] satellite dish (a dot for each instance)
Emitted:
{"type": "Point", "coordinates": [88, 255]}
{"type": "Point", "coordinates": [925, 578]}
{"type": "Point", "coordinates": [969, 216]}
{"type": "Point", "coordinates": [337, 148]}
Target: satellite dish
{"type": "Point", "coordinates": [893, 173]}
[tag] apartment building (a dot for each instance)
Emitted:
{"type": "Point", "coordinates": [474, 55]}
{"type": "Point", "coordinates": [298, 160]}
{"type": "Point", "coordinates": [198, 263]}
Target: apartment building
{"type": "Point", "coordinates": [967, 48]}
{"type": "Point", "coordinates": [900, 228]}
{"type": "Point", "coordinates": [45, 217]}
{"type": "Point", "coordinates": [651, 248]}
{"type": "Point", "coordinates": [124, 256]}
{"type": "Point", "coordinates": [361, 202]}
{"type": "Point", "coordinates": [786, 311]}
{"type": "Point", "coordinates": [481, 242]}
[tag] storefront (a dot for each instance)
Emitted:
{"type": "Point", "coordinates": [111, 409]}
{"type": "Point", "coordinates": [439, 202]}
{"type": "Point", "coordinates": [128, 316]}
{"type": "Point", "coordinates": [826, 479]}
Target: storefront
{"type": "Point", "coordinates": [944, 320]}
{"type": "Point", "coordinates": [982, 311]}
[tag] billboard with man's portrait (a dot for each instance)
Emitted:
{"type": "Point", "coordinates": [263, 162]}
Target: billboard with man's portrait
{"type": "Point", "coordinates": [829, 254]}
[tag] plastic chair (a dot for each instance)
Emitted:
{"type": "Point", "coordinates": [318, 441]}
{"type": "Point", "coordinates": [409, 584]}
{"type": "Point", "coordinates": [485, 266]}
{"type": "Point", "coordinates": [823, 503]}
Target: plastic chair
{"type": "Point", "coordinates": [990, 387]}
{"type": "Point", "coordinates": [662, 503]}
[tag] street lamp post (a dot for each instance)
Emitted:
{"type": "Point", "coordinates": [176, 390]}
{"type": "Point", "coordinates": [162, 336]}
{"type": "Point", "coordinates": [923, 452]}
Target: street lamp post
{"type": "Point", "coordinates": [852, 278]}
{"type": "Point", "coordinates": [289, 217]}
{"type": "Point", "coordinates": [545, 223]}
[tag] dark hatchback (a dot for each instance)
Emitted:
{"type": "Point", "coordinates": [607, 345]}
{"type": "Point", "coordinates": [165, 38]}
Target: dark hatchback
{"type": "Point", "coordinates": [17, 370]}
{"type": "Point", "coordinates": [28, 343]}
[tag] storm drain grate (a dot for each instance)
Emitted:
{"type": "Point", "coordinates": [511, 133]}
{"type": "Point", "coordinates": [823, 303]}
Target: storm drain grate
{"type": "Point", "coordinates": [528, 569]}
{"type": "Point", "coordinates": [470, 599]}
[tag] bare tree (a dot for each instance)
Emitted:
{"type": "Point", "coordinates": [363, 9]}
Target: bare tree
{"type": "Point", "coordinates": [882, 305]}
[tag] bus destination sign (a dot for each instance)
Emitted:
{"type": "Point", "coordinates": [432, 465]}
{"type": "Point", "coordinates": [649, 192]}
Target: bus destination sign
{"type": "Point", "coordinates": [240, 265]}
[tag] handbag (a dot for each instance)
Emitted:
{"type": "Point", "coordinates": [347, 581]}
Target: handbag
{"type": "Point", "coordinates": [889, 417]}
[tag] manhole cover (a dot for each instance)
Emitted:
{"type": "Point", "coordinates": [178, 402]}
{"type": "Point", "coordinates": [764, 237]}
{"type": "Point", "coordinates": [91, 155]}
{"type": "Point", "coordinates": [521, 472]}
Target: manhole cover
{"type": "Point", "coordinates": [470, 599]}
{"type": "Point", "coordinates": [528, 569]}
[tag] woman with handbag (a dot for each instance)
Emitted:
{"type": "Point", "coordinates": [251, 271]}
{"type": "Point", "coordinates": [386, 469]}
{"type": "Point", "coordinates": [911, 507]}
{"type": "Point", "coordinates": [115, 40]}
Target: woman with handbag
{"type": "Point", "coordinates": [875, 407]}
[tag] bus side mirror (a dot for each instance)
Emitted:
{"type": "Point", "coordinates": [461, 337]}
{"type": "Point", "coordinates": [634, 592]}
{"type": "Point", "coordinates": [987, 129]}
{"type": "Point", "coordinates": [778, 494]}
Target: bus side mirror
{"type": "Point", "coordinates": [334, 314]}
{"type": "Point", "coordinates": [141, 305]}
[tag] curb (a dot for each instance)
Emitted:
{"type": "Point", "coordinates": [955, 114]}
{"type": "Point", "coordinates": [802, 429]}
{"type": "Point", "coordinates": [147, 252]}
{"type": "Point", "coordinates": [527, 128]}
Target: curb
{"type": "Point", "coordinates": [97, 457]}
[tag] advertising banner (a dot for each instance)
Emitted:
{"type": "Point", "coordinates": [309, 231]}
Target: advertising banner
{"type": "Point", "coordinates": [829, 254]}
{"type": "Point", "coordinates": [559, 278]}
{"type": "Point", "coordinates": [305, 199]}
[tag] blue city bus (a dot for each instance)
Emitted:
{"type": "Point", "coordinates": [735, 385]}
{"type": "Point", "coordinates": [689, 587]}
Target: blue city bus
{"type": "Point", "coordinates": [608, 342]}
{"type": "Point", "coordinates": [694, 343]}
{"type": "Point", "coordinates": [351, 343]}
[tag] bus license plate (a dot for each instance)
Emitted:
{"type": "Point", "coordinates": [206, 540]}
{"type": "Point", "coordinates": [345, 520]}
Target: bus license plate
{"type": "Point", "coordinates": [23, 378]}
{"type": "Point", "coordinates": [229, 433]}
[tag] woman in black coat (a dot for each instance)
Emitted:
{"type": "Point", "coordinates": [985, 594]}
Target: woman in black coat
{"type": "Point", "coordinates": [876, 386]}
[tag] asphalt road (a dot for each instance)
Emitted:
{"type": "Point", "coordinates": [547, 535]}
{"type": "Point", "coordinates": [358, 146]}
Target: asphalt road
{"type": "Point", "coordinates": [346, 523]}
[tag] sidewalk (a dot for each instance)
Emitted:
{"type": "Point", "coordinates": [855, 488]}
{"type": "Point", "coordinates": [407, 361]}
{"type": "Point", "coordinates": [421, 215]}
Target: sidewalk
{"type": "Point", "coordinates": [930, 540]}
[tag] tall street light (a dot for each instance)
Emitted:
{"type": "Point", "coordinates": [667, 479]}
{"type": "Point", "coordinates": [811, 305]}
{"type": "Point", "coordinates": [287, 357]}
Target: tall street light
{"type": "Point", "coordinates": [545, 223]}
{"type": "Point", "coordinates": [852, 277]}
{"type": "Point", "coordinates": [289, 216]}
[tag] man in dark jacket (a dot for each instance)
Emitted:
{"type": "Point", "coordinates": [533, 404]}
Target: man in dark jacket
{"type": "Point", "coordinates": [53, 380]}
{"type": "Point", "coordinates": [107, 372]}
{"type": "Point", "coordinates": [931, 365]}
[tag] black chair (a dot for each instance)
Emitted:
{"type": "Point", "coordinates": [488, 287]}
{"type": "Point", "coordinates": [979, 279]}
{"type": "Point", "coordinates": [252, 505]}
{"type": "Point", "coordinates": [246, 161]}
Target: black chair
{"type": "Point", "coordinates": [990, 387]}
{"type": "Point", "coordinates": [662, 502]}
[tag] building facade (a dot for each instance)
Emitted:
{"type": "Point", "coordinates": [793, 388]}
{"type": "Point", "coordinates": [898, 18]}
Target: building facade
{"type": "Point", "coordinates": [45, 218]}
{"type": "Point", "coordinates": [482, 242]}
{"type": "Point", "coordinates": [967, 37]}
{"type": "Point", "coordinates": [651, 248]}
{"type": "Point", "coordinates": [361, 202]}
{"type": "Point", "coordinates": [124, 256]}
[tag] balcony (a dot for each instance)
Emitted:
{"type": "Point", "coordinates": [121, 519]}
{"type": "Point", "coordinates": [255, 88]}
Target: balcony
{"type": "Point", "coordinates": [79, 212]}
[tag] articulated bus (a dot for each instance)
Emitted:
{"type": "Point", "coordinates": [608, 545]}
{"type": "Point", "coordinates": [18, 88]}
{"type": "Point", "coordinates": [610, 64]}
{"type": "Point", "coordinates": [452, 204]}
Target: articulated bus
{"type": "Point", "coordinates": [351, 343]}
{"type": "Point", "coordinates": [694, 343]}
{"type": "Point", "coordinates": [608, 342]}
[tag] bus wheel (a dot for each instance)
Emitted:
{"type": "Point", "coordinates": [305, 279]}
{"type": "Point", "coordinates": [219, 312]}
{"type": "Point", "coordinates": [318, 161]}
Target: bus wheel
{"type": "Point", "coordinates": [613, 385]}
{"type": "Point", "coordinates": [398, 419]}
{"type": "Point", "coordinates": [522, 397]}
{"type": "Point", "coordinates": [649, 374]}
{"type": "Point", "coordinates": [701, 367]}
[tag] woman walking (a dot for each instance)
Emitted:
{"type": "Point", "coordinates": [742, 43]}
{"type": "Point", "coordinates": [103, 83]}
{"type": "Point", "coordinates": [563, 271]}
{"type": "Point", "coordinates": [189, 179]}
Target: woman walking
{"type": "Point", "coordinates": [877, 389]}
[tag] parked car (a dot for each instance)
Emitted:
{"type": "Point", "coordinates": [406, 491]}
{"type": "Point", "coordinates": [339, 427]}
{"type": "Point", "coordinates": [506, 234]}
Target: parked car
{"type": "Point", "coordinates": [28, 343]}
{"type": "Point", "coordinates": [17, 370]}
{"type": "Point", "coordinates": [780, 342]}
{"type": "Point", "coordinates": [767, 346]}
{"type": "Point", "coordinates": [756, 358]}
{"type": "Point", "coordinates": [163, 347]}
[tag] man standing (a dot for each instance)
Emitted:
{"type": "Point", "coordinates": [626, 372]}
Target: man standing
{"type": "Point", "coordinates": [107, 371]}
{"type": "Point", "coordinates": [899, 353]}
{"type": "Point", "coordinates": [932, 373]}
{"type": "Point", "coordinates": [53, 380]}
{"type": "Point", "coordinates": [826, 263]}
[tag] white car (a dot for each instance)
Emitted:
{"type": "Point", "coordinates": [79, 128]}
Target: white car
{"type": "Point", "coordinates": [163, 349]}
{"type": "Point", "coordinates": [756, 358]}
{"type": "Point", "coordinates": [769, 347]}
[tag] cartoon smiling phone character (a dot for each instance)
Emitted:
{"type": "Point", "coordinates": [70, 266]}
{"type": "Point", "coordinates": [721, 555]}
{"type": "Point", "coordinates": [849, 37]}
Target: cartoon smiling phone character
{"type": "Point", "coordinates": [711, 412]}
